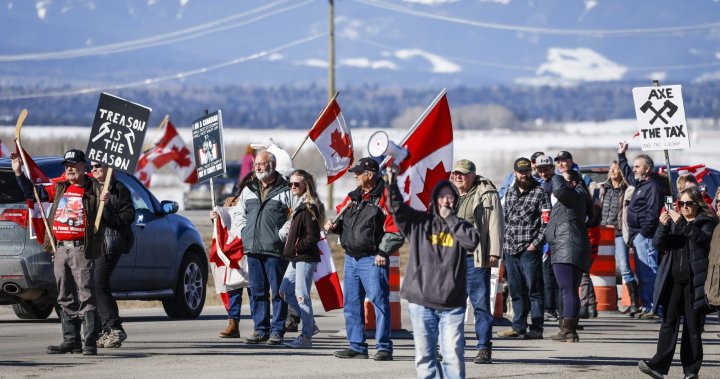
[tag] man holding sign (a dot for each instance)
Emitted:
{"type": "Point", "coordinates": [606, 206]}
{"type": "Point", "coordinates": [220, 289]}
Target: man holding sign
{"type": "Point", "coordinates": [75, 203]}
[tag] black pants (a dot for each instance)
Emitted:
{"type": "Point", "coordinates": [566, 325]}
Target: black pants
{"type": "Point", "coordinates": [106, 305]}
{"type": "Point", "coordinates": [551, 286]}
{"type": "Point", "coordinates": [691, 352]}
{"type": "Point", "coordinates": [568, 279]}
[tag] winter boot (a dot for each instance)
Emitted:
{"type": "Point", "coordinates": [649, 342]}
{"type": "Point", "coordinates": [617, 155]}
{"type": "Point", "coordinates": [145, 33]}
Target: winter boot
{"type": "Point", "coordinates": [90, 333]}
{"type": "Point", "coordinates": [567, 331]}
{"type": "Point", "coordinates": [634, 309]}
{"type": "Point", "coordinates": [232, 330]}
{"type": "Point", "coordinates": [71, 337]}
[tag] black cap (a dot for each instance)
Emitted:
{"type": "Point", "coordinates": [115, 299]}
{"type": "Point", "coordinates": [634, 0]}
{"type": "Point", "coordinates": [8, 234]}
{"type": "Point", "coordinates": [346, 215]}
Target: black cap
{"type": "Point", "coordinates": [522, 164]}
{"type": "Point", "coordinates": [563, 155]}
{"type": "Point", "coordinates": [536, 154]}
{"type": "Point", "coordinates": [365, 164]}
{"type": "Point", "coordinates": [74, 156]}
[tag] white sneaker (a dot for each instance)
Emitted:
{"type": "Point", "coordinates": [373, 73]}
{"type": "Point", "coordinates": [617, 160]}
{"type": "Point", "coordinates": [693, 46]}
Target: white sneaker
{"type": "Point", "coordinates": [102, 340]}
{"type": "Point", "coordinates": [316, 330]}
{"type": "Point", "coordinates": [300, 342]}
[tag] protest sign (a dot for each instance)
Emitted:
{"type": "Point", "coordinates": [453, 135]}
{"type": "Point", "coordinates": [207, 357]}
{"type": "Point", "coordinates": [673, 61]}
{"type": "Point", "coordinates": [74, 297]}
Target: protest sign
{"type": "Point", "coordinates": [208, 146]}
{"type": "Point", "coordinates": [661, 118]}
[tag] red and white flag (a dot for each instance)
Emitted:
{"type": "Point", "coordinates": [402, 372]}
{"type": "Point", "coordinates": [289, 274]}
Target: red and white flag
{"type": "Point", "coordinates": [327, 282]}
{"type": "Point", "coordinates": [698, 170]}
{"type": "Point", "coordinates": [4, 152]}
{"type": "Point", "coordinates": [36, 175]}
{"type": "Point", "coordinates": [332, 138]}
{"type": "Point", "coordinates": [170, 150]}
{"type": "Point", "coordinates": [227, 260]}
{"type": "Point", "coordinates": [430, 158]}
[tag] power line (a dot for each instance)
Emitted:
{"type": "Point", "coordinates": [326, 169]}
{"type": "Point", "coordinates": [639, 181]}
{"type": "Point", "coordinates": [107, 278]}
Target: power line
{"type": "Point", "coordinates": [538, 30]}
{"type": "Point", "coordinates": [162, 39]}
{"type": "Point", "coordinates": [176, 76]}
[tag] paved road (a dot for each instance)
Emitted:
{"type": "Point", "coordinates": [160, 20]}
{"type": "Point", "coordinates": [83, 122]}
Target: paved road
{"type": "Point", "coordinates": [157, 347]}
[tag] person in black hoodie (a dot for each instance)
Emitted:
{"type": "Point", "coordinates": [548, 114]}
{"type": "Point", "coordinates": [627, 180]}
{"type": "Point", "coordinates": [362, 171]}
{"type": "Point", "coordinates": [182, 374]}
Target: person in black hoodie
{"type": "Point", "coordinates": [302, 251]}
{"type": "Point", "coordinates": [680, 284]}
{"type": "Point", "coordinates": [435, 278]}
{"type": "Point", "coordinates": [118, 216]}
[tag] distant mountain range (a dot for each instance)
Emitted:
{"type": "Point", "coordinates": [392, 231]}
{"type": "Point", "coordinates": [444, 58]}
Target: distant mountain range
{"type": "Point", "coordinates": [155, 44]}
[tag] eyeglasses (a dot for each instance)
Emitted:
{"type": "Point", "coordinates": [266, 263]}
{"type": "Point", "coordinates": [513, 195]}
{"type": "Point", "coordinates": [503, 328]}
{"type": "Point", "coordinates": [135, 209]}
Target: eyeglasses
{"type": "Point", "coordinates": [261, 164]}
{"type": "Point", "coordinates": [295, 184]}
{"type": "Point", "coordinates": [97, 165]}
{"type": "Point", "coordinates": [686, 203]}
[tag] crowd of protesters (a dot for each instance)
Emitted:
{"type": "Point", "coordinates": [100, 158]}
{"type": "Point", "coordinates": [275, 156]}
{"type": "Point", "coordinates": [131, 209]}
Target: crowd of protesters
{"type": "Point", "coordinates": [542, 221]}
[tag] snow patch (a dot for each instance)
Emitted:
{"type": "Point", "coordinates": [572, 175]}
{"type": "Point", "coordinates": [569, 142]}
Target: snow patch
{"type": "Point", "coordinates": [581, 64]}
{"type": "Point", "coordinates": [366, 63]}
{"type": "Point", "coordinates": [440, 65]}
{"type": "Point", "coordinates": [41, 8]}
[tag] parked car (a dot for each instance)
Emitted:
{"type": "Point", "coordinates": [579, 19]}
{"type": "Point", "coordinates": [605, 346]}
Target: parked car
{"type": "Point", "coordinates": [198, 196]}
{"type": "Point", "coordinates": [166, 263]}
{"type": "Point", "coordinates": [711, 181]}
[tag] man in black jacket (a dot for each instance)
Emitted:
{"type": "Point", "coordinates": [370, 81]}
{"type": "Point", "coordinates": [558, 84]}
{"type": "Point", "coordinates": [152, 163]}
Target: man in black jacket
{"type": "Point", "coordinates": [118, 216]}
{"type": "Point", "coordinates": [369, 236]}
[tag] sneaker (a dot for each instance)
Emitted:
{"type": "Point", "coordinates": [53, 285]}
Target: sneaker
{"type": "Point", "coordinates": [102, 339]}
{"type": "Point", "coordinates": [648, 316]}
{"type": "Point", "coordinates": [256, 338]}
{"type": "Point", "coordinates": [483, 357]}
{"type": "Point", "coordinates": [291, 323]}
{"type": "Point", "coordinates": [114, 338]}
{"type": "Point", "coordinates": [512, 333]}
{"type": "Point", "coordinates": [300, 342]}
{"type": "Point", "coordinates": [275, 339]}
{"type": "Point", "coordinates": [550, 316]}
{"type": "Point", "coordinates": [120, 334]}
{"type": "Point", "coordinates": [643, 366]}
{"type": "Point", "coordinates": [383, 355]}
{"type": "Point", "coordinates": [316, 330]}
{"type": "Point", "coordinates": [350, 354]}
{"type": "Point", "coordinates": [533, 335]}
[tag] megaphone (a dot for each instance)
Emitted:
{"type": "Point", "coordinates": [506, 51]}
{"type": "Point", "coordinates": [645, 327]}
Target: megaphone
{"type": "Point", "coordinates": [379, 144]}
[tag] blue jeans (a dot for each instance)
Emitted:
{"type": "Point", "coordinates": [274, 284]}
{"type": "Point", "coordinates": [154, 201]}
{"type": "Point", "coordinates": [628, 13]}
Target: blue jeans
{"type": "Point", "coordinates": [646, 263]}
{"type": "Point", "coordinates": [427, 324]}
{"type": "Point", "coordinates": [266, 274]}
{"type": "Point", "coordinates": [622, 260]}
{"type": "Point", "coordinates": [234, 304]}
{"type": "Point", "coordinates": [296, 287]}
{"type": "Point", "coordinates": [524, 271]}
{"type": "Point", "coordinates": [478, 287]}
{"type": "Point", "coordinates": [363, 278]}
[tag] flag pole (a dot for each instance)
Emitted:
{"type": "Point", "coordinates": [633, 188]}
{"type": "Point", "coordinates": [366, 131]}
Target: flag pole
{"type": "Point", "coordinates": [656, 83]}
{"type": "Point", "coordinates": [18, 126]}
{"type": "Point", "coordinates": [101, 206]}
{"type": "Point", "coordinates": [417, 123]}
{"type": "Point", "coordinates": [315, 124]}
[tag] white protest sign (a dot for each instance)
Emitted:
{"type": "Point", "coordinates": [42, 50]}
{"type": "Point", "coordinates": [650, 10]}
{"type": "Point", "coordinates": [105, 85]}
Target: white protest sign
{"type": "Point", "coordinates": [661, 118]}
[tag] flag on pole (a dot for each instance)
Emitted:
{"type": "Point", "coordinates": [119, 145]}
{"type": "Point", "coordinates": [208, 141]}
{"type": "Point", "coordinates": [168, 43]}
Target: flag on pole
{"type": "Point", "coordinates": [170, 150]}
{"type": "Point", "coordinates": [327, 282]}
{"type": "Point", "coordinates": [332, 138]}
{"type": "Point", "coordinates": [699, 171]}
{"type": "Point", "coordinates": [227, 260]}
{"type": "Point", "coordinates": [36, 175]}
{"type": "Point", "coordinates": [430, 147]}
{"type": "Point", "coordinates": [4, 152]}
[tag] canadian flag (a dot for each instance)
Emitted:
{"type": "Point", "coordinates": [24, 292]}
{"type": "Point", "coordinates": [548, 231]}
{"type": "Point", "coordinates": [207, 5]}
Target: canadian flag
{"type": "Point", "coordinates": [32, 171]}
{"type": "Point", "coordinates": [168, 149]}
{"type": "Point", "coordinates": [332, 138]}
{"type": "Point", "coordinates": [699, 171]}
{"type": "Point", "coordinates": [4, 152]}
{"type": "Point", "coordinates": [327, 282]}
{"type": "Point", "coordinates": [430, 158]}
{"type": "Point", "coordinates": [227, 260]}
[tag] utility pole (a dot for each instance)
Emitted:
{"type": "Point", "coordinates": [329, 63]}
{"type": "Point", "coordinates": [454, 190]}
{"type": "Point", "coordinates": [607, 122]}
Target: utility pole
{"type": "Point", "coordinates": [331, 77]}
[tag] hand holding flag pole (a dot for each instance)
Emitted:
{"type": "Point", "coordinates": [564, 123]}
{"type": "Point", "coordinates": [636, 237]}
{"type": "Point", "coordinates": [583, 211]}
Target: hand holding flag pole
{"type": "Point", "coordinates": [18, 126]}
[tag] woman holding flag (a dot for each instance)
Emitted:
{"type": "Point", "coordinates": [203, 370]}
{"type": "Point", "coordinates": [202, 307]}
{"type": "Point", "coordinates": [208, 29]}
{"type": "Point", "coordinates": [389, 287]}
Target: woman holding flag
{"type": "Point", "coordinates": [301, 249]}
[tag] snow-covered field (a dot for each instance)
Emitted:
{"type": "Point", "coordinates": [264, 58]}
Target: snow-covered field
{"type": "Point", "coordinates": [492, 151]}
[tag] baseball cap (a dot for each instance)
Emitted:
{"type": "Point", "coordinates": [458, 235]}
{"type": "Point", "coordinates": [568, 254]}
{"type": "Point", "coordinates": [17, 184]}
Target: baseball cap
{"type": "Point", "coordinates": [533, 157]}
{"type": "Point", "coordinates": [522, 164]}
{"type": "Point", "coordinates": [563, 155]}
{"type": "Point", "coordinates": [365, 164]}
{"type": "Point", "coordinates": [543, 160]}
{"type": "Point", "coordinates": [74, 156]}
{"type": "Point", "coordinates": [464, 166]}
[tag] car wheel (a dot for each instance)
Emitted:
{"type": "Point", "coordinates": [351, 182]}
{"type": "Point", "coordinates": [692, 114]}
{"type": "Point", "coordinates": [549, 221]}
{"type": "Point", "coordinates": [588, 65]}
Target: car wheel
{"type": "Point", "coordinates": [190, 290]}
{"type": "Point", "coordinates": [27, 310]}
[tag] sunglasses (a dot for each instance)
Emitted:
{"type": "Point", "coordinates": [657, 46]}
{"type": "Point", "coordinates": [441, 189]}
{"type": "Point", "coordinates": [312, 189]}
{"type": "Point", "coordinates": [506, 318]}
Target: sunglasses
{"type": "Point", "coordinates": [96, 165]}
{"type": "Point", "coordinates": [685, 203]}
{"type": "Point", "coordinates": [295, 184]}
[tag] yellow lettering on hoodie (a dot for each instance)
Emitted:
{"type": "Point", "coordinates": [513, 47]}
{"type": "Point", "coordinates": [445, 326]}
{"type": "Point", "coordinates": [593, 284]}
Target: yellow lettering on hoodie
{"type": "Point", "coordinates": [442, 239]}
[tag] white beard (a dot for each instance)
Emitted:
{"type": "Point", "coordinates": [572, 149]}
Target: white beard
{"type": "Point", "coordinates": [262, 175]}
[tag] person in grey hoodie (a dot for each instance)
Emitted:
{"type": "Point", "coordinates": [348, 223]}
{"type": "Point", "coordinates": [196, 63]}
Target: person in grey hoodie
{"type": "Point", "coordinates": [435, 278]}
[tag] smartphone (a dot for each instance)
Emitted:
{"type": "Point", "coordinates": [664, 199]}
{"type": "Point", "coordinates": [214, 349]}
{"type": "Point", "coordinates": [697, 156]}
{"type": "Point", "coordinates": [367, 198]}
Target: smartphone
{"type": "Point", "coordinates": [668, 203]}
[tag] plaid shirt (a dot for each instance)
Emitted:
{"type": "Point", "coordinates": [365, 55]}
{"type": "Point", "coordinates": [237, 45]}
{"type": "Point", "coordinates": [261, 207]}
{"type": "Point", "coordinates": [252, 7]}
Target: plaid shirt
{"type": "Point", "coordinates": [523, 218]}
